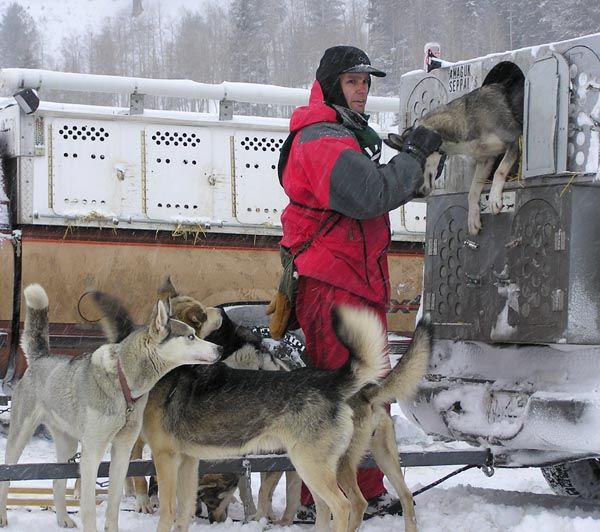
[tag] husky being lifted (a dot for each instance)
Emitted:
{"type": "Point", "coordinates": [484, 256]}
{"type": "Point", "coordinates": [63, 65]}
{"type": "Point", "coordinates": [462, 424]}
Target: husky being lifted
{"type": "Point", "coordinates": [95, 398]}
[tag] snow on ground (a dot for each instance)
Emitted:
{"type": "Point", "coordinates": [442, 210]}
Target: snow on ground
{"type": "Point", "coordinates": [469, 502]}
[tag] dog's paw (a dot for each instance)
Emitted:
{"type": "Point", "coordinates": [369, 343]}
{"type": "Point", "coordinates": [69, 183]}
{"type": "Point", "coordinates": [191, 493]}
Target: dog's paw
{"type": "Point", "coordinates": [474, 223]}
{"type": "Point", "coordinates": [144, 505]}
{"type": "Point", "coordinates": [65, 522]}
{"type": "Point", "coordinates": [496, 203]}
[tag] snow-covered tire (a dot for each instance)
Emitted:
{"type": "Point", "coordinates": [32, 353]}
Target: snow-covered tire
{"type": "Point", "coordinates": [577, 479]}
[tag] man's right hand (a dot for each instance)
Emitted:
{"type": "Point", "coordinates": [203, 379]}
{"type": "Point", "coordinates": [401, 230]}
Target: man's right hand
{"type": "Point", "coordinates": [421, 142]}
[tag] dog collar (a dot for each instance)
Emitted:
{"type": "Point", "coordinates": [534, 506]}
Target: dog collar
{"type": "Point", "coordinates": [125, 387]}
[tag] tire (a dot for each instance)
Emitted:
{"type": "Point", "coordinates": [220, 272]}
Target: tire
{"type": "Point", "coordinates": [576, 479]}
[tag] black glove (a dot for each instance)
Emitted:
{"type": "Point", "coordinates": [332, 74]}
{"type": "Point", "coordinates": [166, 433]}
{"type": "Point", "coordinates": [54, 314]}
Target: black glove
{"type": "Point", "coordinates": [421, 142]}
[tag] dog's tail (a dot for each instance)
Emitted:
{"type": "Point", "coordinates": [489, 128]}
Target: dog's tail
{"type": "Point", "coordinates": [363, 334]}
{"type": "Point", "coordinates": [402, 382]}
{"type": "Point", "coordinates": [35, 339]}
{"type": "Point", "coordinates": [116, 322]}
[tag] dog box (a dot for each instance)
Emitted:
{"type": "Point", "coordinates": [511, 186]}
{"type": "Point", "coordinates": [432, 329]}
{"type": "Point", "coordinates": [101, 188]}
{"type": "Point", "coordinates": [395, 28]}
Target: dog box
{"type": "Point", "coordinates": [561, 119]}
{"type": "Point", "coordinates": [533, 274]}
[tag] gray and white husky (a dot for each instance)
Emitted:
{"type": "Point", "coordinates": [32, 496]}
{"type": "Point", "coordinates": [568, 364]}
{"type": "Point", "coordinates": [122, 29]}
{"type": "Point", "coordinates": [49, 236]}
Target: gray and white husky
{"type": "Point", "coordinates": [96, 398]}
{"type": "Point", "coordinates": [218, 412]}
{"type": "Point", "coordinates": [483, 124]}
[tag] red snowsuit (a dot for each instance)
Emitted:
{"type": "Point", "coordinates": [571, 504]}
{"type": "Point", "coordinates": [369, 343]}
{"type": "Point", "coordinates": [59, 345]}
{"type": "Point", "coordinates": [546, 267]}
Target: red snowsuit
{"type": "Point", "coordinates": [340, 198]}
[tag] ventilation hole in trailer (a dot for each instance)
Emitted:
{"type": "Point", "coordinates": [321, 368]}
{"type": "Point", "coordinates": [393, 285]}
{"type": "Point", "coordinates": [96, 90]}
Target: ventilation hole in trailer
{"type": "Point", "coordinates": [193, 162]}
{"type": "Point", "coordinates": [273, 149]}
{"type": "Point", "coordinates": [176, 143]}
{"type": "Point", "coordinates": [171, 138]}
{"type": "Point", "coordinates": [186, 206]}
{"type": "Point", "coordinates": [101, 139]}
{"type": "Point", "coordinates": [168, 161]}
{"type": "Point", "coordinates": [88, 133]}
{"type": "Point", "coordinates": [177, 205]}
{"type": "Point", "coordinates": [168, 205]}
{"type": "Point", "coordinates": [167, 143]}
{"type": "Point", "coordinates": [66, 200]}
{"type": "Point", "coordinates": [274, 210]}
{"type": "Point", "coordinates": [102, 202]}
{"type": "Point", "coordinates": [84, 201]}
{"type": "Point", "coordinates": [158, 132]}
{"type": "Point", "coordinates": [195, 206]}
{"type": "Point", "coordinates": [255, 148]}
{"type": "Point", "coordinates": [93, 156]}
{"type": "Point", "coordinates": [249, 209]}
{"type": "Point", "coordinates": [185, 161]}
{"type": "Point", "coordinates": [266, 210]}
{"type": "Point", "coordinates": [65, 154]}
{"type": "Point", "coordinates": [167, 134]}
{"type": "Point", "coordinates": [93, 128]}
{"type": "Point", "coordinates": [92, 138]}
{"type": "Point", "coordinates": [272, 167]}
{"type": "Point", "coordinates": [185, 143]}
{"type": "Point", "coordinates": [102, 157]}
{"type": "Point", "coordinates": [256, 166]}
{"type": "Point", "coordinates": [158, 142]}
{"type": "Point", "coordinates": [158, 160]}
{"type": "Point", "coordinates": [74, 128]}
{"type": "Point", "coordinates": [75, 156]}
{"type": "Point", "coordinates": [247, 148]}
{"type": "Point", "coordinates": [65, 137]}
{"type": "Point", "coordinates": [194, 144]}
{"type": "Point", "coordinates": [193, 135]}
{"type": "Point", "coordinates": [94, 202]}
{"type": "Point", "coordinates": [247, 165]}
{"type": "Point", "coordinates": [162, 137]}
{"type": "Point", "coordinates": [184, 135]}
{"type": "Point", "coordinates": [257, 209]}
{"type": "Point", "coordinates": [159, 204]}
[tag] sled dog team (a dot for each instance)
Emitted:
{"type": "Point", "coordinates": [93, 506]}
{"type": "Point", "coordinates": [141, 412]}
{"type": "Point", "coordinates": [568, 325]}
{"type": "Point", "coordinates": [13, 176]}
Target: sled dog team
{"type": "Point", "coordinates": [165, 382]}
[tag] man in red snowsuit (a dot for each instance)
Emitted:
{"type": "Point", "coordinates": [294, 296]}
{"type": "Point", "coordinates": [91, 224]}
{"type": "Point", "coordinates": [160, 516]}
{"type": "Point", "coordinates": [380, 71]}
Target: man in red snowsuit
{"type": "Point", "coordinates": [340, 197]}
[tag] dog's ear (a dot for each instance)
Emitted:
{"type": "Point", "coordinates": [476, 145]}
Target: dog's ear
{"type": "Point", "coordinates": [160, 320]}
{"type": "Point", "coordinates": [167, 290]}
{"type": "Point", "coordinates": [395, 141]}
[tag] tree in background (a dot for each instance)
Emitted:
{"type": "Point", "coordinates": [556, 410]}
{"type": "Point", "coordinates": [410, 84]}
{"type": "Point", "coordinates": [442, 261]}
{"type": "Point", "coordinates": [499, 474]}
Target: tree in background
{"type": "Point", "coordinates": [280, 41]}
{"type": "Point", "coordinates": [19, 39]}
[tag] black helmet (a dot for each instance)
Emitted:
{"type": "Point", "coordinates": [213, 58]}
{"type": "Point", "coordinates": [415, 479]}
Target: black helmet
{"type": "Point", "coordinates": [341, 60]}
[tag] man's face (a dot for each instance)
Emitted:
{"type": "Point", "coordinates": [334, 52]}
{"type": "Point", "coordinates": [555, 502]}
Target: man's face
{"type": "Point", "coordinates": [355, 87]}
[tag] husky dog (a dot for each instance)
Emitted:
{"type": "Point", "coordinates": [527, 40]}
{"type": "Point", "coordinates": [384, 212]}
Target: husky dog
{"type": "Point", "coordinates": [485, 123]}
{"type": "Point", "coordinates": [303, 412]}
{"type": "Point", "coordinates": [96, 398]}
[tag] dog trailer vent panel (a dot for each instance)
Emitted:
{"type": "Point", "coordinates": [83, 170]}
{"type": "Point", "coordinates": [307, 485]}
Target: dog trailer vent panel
{"type": "Point", "coordinates": [530, 275]}
{"type": "Point", "coordinates": [583, 150]}
{"type": "Point", "coordinates": [427, 95]}
{"type": "Point", "coordinates": [545, 123]}
{"type": "Point", "coordinates": [83, 179]}
{"type": "Point", "coordinates": [258, 197]}
{"type": "Point", "coordinates": [179, 173]}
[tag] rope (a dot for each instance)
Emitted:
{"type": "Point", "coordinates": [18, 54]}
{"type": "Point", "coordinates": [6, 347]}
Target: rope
{"type": "Point", "coordinates": [440, 480]}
